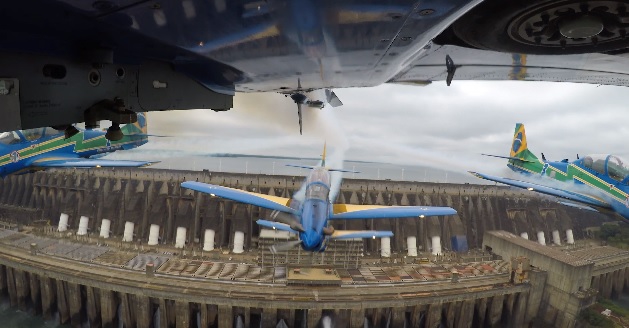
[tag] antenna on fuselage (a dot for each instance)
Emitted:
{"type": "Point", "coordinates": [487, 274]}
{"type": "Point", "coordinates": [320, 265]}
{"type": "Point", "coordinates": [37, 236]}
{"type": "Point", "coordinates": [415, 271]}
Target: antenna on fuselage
{"type": "Point", "coordinates": [323, 156]}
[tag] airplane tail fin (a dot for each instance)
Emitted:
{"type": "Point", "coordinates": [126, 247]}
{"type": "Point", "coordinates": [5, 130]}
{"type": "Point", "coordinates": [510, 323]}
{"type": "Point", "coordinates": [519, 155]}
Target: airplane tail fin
{"type": "Point", "coordinates": [136, 132]}
{"type": "Point", "coordinates": [140, 127]}
{"type": "Point", "coordinates": [519, 146]}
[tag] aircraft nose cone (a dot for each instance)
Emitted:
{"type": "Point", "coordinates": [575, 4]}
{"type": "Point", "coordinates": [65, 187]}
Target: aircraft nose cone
{"type": "Point", "coordinates": [311, 239]}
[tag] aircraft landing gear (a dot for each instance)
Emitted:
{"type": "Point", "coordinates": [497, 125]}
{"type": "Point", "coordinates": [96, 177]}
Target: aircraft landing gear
{"type": "Point", "coordinates": [112, 110]}
{"type": "Point", "coordinates": [546, 27]}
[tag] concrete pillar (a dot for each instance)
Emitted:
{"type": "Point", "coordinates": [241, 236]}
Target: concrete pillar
{"type": "Point", "coordinates": [3, 280]}
{"type": "Point", "coordinates": [411, 244]}
{"type": "Point", "coordinates": [288, 315]}
{"type": "Point", "coordinates": [398, 317]}
{"type": "Point", "coordinates": [482, 311]}
{"type": "Point", "coordinates": [269, 317]}
{"type": "Point", "coordinates": [556, 238]}
{"type": "Point", "coordinates": [225, 316]}
{"type": "Point", "coordinates": [495, 310]}
{"type": "Point", "coordinates": [385, 247]}
{"type": "Point", "coordinates": [107, 309]}
{"type": "Point", "coordinates": [35, 292]}
{"type": "Point", "coordinates": [239, 242]}
{"type": "Point", "coordinates": [180, 238]}
{"type": "Point", "coordinates": [63, 222]}
{"type": "Point", "coordinates": [127, 235]}
{"type": "Point", "coordinates": [540, 238]}
{"type": "Point", "coordinates": [22, 289]}
{"type": "Point", "coordinates": [357, 318]}
{"type": "Point", "coordinates": [452, 310]}
{"type": "Point", "coordinates": [74, 303]}
{"type": "Point", "coordinates": [569, 236]}
{"type": "Point", "coordinates": [433, 318]}
{"type": "Point", "coordinates": [83, 226]}
{"type": "Point", "coordinates": [153, 235]}
{"type": "Point", "coordinates": [208, 240]}
{"type": "Point", "coordinates": [62, 303]}
{"type": "Point", "coordinates": [105, 226]}
{"type": "Point", "coordinates": [524, 235]}
{"type": "Point", "coordinates": [47, 297]}
{"type": "Point", "coordinates": [127, 311]}
{"type": "Point", "coordinates": [466, 314]}
{"type": "Point", "coordinates": [314, 316]}
{"type": "Point", "coordinates": [519, 311]}
{"type": "Point", "coordinates": [93, 307]}
{"type": "Point", "coordinates": [183, 314]}
{"type": "Point", "coordinates": [436, 245]}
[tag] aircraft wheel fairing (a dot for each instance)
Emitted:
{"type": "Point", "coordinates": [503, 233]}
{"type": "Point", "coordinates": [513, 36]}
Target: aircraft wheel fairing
{"type": "Point", "coordinates": [546, 27]}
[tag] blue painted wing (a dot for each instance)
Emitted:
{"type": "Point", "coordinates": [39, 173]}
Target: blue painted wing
{"type": "Point", "coordinates": [266, 201]}
{"type": "Point", "coordinates": [85, 162]}
{"type": "Point", "coordinates": [350, 212]}
{"type": "Point", "coordinates": [571, 195]}
{"type": "Point", "coordinates": [351, 234]}
{"type": "Point", "coordinates": [275, 225]}
{"type": "Point", "coordinates": [579, 206]}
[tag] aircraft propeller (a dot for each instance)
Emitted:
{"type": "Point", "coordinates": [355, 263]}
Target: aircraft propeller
{"type": "Point", "coordinates": [301, 99]}
{"type": "Point", "coordinates": [287, 218]}
{"type": "Point", "coordinates": [282, 247]}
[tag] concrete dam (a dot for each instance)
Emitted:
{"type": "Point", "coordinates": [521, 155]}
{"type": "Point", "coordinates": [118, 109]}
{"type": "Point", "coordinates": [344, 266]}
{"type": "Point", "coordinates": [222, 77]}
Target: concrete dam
{"type": "Point", "coordinates": [172, 257]}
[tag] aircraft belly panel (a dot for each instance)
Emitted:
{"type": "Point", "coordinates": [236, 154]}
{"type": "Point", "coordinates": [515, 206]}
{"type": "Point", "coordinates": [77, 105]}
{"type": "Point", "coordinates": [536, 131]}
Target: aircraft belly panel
{"type": "Point", "coordinates": [318, 40]}
{"type": "Point", "coordinates": [486, 65]}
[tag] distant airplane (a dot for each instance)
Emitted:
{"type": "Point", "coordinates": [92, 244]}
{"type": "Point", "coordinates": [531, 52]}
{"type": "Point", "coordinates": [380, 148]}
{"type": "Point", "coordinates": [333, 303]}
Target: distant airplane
{"type": "Point", "coordinates": [37, 149]}
{"type": "Point", "coordinates": [309, 218]}
{"type": "Point", "coordinates": [597, 181]}
{"type": "Point", "coordinates": [68, 61]}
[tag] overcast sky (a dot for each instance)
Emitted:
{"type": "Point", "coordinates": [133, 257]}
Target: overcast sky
{"type": "Point", "coordinates": [436, 125]}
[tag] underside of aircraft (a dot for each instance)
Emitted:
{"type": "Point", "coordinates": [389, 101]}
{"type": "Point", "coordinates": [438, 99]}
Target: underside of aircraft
{"type": "Point", "coordinates": [66, 61]}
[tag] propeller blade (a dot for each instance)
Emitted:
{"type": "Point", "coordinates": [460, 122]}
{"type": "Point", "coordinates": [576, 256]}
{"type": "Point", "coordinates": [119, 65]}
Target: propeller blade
{"type": "Point", "coordinates": [286, 218]}
{"type": "Point", "coordinates": [282, 247]}
{"type": "Point", "coordinates": [298, 84]}
{"type": "Point", "coordinates": [299, 113]}
{"type": "Point", "coordinates": [332, 99]}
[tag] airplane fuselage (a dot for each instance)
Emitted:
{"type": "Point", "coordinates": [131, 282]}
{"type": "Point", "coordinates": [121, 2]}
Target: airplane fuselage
{"type": "Point", "coordinates": [606, 175]}
{"type": "Point", "coordinates": [20, 153]}
{"type": "Point", "coordinates": [315, 209]}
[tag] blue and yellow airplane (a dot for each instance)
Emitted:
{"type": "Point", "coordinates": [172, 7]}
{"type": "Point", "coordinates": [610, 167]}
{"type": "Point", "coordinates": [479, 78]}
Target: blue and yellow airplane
{"type": "Point", "coordinates": [308, 218]}
{"type": "Point", "coordinates": [594, 181]}
{"type": "Point", "coordinates": [37, 149]}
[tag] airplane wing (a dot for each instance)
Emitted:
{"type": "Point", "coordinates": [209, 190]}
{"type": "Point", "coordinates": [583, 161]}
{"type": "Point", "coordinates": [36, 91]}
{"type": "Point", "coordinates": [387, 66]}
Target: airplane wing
{"type": "Point", "coordinates": [313, 167]}
{"type": "Point", "coordinates": [271, 202]}
{"type": "Point", "coordinates": [351, 234]}
{"type": "Point", "coordinates": [571, 195]}
{"type": "Point", "coordinates": [276, 225]}
{"type": "Point", "coordinates": [85, 162]}
{"type": "Point", "coordinates": [350, 212]}
{"type": "Point", "coordinates": [511, 157]}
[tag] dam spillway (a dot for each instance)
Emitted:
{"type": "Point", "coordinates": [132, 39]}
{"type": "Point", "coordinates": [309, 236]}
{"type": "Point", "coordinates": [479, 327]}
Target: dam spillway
{"type": "Point", "coordinates": [455, 289]}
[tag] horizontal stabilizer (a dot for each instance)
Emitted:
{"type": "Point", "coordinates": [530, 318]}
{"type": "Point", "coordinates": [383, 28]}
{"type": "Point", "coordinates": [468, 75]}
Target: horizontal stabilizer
{"type": "Point", "coordinates": [147, 135]}
{"type": "Point", "coordinates": [579, 206]}
{"type": "Point", "coordinates": [350, 212]}
{"type": "Point", "coordinates": [512, 158]}
{"type": "Point", "coordinates": [275, 225]}
{"type": "Point", "coordinates": [351, 234]}
{"type": "Point", "coordinates": [86, 163]}
{"type": "Point", "coordinates": [266, 201]}
{"type": "Point", "coordinates": [314, 167]}
{"type": "Point", "coordinates": [574, 196]}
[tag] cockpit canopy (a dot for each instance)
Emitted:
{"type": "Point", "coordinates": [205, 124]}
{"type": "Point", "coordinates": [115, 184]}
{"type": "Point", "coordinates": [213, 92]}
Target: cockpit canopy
{"type": "Point", "coordinates": [13, 137]}
{"type": "Point", "coordinates": [615, 167]}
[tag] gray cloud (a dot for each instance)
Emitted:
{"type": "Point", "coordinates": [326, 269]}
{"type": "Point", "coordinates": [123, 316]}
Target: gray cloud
{"type": "Point", "coordinates": [438, 126]}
